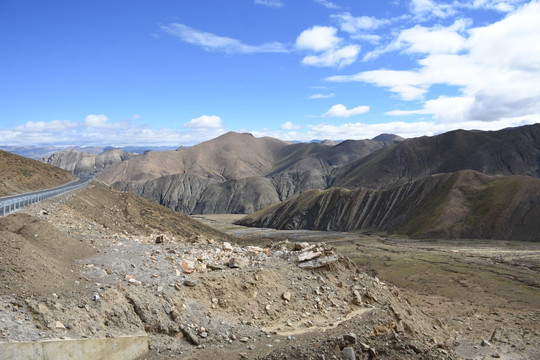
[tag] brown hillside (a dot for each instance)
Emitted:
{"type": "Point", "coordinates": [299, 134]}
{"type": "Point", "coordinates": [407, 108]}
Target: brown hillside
{"type": "Point", "coordinates": [19, 174]}
{"type": "Point", "coordinates": [84, 164]}
{"type": "Point", "coordinates": [465, 204]}
{"type": "Point", "coordinates": [230, 156]}
{"type": "Point", "coordinates": [234, 173]}
{"type": "Point", "coordinates": [512, 151]}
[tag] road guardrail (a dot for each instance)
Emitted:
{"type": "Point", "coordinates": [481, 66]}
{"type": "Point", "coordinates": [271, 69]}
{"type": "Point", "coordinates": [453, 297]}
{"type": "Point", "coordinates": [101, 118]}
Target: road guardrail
{"type": "Point", "coordinates": [13, 204]}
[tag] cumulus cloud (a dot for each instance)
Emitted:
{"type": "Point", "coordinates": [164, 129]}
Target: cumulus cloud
{"type": "Point", "coordinates": [334, 57]}
{"type": "Point", "coordinates": [424, 9]}
{"type": "Point", "coordinates": [327, 47]}
{"type": "Point", "coordinates": [494, 68]}
{"type": "Point", "coordinates": [355, 25]}
{"type": "Point", "coordinates": [90, 132]}
{"type": "Point", "coordinates": [213, 42]}
{"type": "Point", "coordinates": [436, 40]}
{"type": "Point", "coordinates": [340, 110]}
{"type": "Point", "coordinates": [318, 38]}
{"type": "Point", "coordinates": [289, 126]}
{"type": "Point", "coordinates": [276, 4]}
{"type": "Point", "coordinates": [97, 121]}
{"type": "Point", "coordinates": [205, 122]}
{"type": "Point", "coordinates": [420, 39]}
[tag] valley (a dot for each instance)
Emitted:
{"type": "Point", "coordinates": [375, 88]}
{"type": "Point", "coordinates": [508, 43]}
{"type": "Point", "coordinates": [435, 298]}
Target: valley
{"type": "Point", "coordinates": [472, 286]}
{"type": "Point", "coordinates": [360, 249]}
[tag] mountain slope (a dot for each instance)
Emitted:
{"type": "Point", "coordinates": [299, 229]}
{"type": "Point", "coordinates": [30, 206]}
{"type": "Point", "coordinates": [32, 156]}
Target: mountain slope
{"type": "Point", "coordinates": [234, 173]}
{"type": "Point", "coordinates": [85, 163]}
{"type": "Point", "coordinates": [230, 156]}
{"type": "Point", "coordinates": [465, 204]}
{"type": "Point", "coordinates": [513, 151]}
{"type": "Point", "coordinates": [19, 174]}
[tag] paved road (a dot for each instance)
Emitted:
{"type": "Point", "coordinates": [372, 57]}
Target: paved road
{"type": "Point", "coordinates": [15, 202]}
{"type": "Point", "coordinates": [73, 183]}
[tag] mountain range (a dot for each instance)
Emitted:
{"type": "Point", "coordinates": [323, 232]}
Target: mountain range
{"type": "Point", "coordinates": [382, 184]}
{"type": "Point", "coordinates": [234, 173]}
{"type": "Point", "coordinates": [463, 204]}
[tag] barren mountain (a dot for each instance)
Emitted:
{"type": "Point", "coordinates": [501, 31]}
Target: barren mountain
{"type": "Point", "coordinates": [98, 265]}
{"type": "Point", "coordinates": [465, 204]}
{"type": "Point", "coordinates": [19, 174]}
{"type": "Point", "coordinates": [512, 151]}
{"type": "Point", "coordinates": [234, 173]}
{"type": "Point", "coordinates": [83, 164]}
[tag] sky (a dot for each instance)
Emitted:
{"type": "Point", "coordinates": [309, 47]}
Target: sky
{"type": "Point", "coordinates": [179, 72]}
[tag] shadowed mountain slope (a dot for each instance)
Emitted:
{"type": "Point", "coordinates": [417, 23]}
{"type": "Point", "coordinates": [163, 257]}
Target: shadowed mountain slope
{"type": "Point", "coordinates": [19, 174]}
{"type": "Point", "coordinates": [465, 204]}
{"type": "Point", "coordinates": [513, 151]}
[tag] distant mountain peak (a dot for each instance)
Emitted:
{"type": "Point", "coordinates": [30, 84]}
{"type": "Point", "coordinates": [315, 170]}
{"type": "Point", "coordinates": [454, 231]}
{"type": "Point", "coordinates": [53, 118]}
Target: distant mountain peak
{"type": "Point", "coordinates": [388, 138]}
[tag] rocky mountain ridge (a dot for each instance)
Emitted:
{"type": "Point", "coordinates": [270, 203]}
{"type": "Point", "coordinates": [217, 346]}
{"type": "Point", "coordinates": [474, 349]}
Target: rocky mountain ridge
{"type": "Point", "coordinates": [83, 164]}
{"type": "Point", "coordinates": [511, 151]}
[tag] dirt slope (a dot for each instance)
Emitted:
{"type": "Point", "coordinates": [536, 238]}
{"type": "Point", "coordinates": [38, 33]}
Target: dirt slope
{"type": "Point", "coordinates": [465, 204]}
{"type": "Point", "coordinates": [19, 174]}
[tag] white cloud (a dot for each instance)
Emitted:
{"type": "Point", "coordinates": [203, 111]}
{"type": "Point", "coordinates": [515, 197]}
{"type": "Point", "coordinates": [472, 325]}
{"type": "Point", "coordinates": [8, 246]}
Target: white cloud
{"type": "Point", "coordinates": [495, 69]}
{"type": "Point", "coordinates": [408, 84]}
{"type": "Point", "coordinates": [499, 5]}
{"type": "Point", "coordinates": [322, 96]}
{"type": "Point", "coordinates": [420, 39]}
{"type": "Point", "coordinates": [354, 25]}
{"type": "Point", "coordinates": [212, 42]}
{"type": "Point", "coordinates": [423, 9]}
{"type": "Point", "coordinates": [340, 110]}
{"type": "Point", "coordinates": [38, 126]}
{"type": "Point", "coordinates": [98, 121]}
{"type": "Point", "coordinates": [318, 38]}
{"type": "Point", "coordinates": [89, 132]}
{"type": "Point", "coordinates": [205, 122]}
{"type": "Point", "coordinates": [432, 41]}
{"type": "Point", "coordinates": [327, 4]}
{"type": "Point", "coordinates": [359, 130]}
{"type": "Point", "coordinates": [289, 126]}
{"type": "Point", "coordinates": [270, 3]}
{"type": "Point", "coordinates": [323, 41]}
{"type": "Point", "coordinates": [426, 9]}
{"type": "Point", "coordinates": [334, 57]}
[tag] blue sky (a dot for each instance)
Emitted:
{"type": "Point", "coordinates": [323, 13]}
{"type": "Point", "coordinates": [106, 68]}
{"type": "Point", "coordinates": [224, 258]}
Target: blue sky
{"type": "Point", "coordinates": [181, 72]}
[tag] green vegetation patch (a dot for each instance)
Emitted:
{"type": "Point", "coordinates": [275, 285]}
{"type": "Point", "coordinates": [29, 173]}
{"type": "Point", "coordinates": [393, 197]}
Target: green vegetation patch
{"type": "Point", "coordinates": [493, 197]}
{"type": "Point", "coordinates": [428, 212]}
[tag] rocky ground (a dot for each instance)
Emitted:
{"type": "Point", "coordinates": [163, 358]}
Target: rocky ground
{"type": "Point", "coordinates": [98, 263]}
